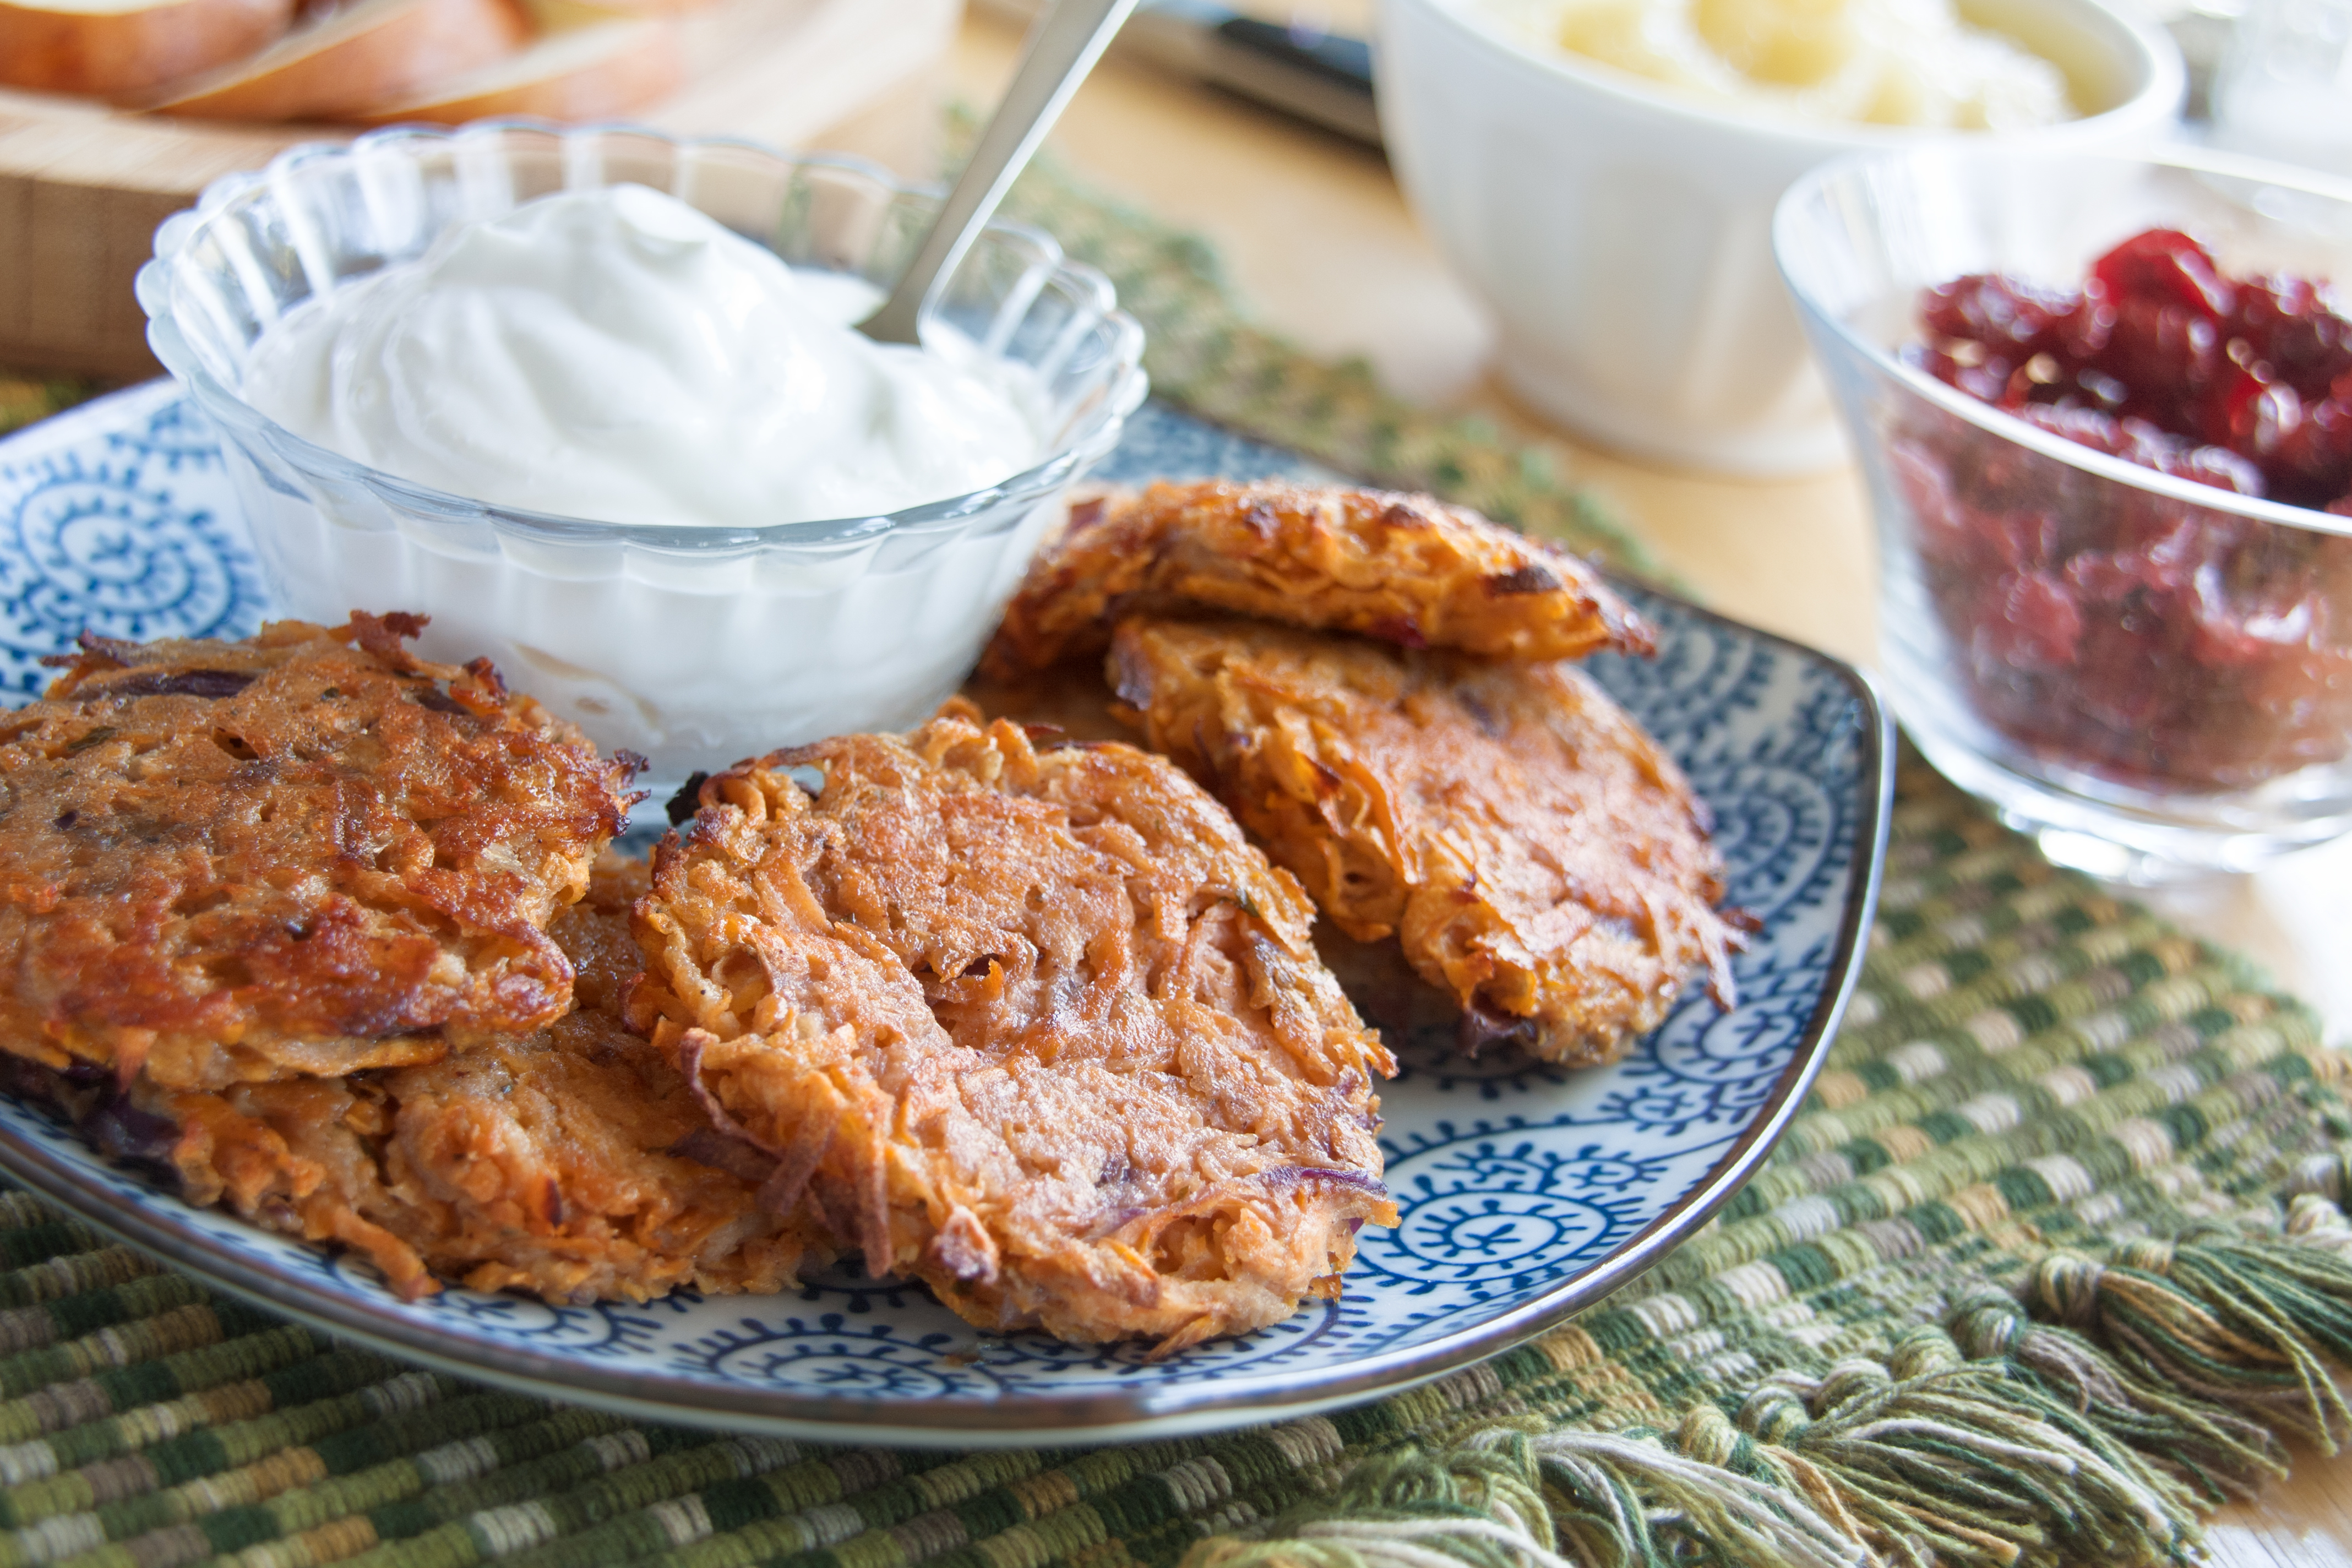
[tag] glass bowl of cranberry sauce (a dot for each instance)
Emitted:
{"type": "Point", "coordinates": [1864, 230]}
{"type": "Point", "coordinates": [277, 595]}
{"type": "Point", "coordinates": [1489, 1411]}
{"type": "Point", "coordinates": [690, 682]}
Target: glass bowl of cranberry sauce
{"type": "Point", "coordinates": [2104, 409]}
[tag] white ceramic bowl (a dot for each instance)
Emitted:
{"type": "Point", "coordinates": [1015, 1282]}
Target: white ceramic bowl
{"type": "Point", "coordinates": [1621, 234]}
{"type": "Point", "coordinates": [693, 645]}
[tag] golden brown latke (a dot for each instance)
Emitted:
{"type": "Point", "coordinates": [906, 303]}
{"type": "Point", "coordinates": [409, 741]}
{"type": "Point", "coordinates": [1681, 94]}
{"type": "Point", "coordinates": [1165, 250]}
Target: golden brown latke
{"type": "Point", "coordinates": [305, 853]}
{"type": "Point", "coordinates": [570, 1162]}
{"type": "Point", "coordinates": [1039, 1028]}
{"type": "Point", "coordinates": [1533, 850]}
{"type": "Point", "coordinates": [1406, 569]}
{"type": "Point", "coordinates": [1066, 702]}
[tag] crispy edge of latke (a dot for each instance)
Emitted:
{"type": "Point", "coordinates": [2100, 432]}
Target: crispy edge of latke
{"type": "Point", "coordinates": [106, 673]}
{"type": "Point", "coordinates": [329, 1160]}
{"type": "Point", "coordinates": [1302, 781]}
{"type": "Point", "coordinates": [763, 790]}
{"type": "Point", "coordinates": [1402, 568]}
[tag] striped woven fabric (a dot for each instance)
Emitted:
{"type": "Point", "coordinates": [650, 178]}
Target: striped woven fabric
{"type": "Point", "coordinates": [2036, 1078]}
{"type": "Point", "coordinates": [26, 395]}
{"type": "Point", "coordinates": [2050, 1260]}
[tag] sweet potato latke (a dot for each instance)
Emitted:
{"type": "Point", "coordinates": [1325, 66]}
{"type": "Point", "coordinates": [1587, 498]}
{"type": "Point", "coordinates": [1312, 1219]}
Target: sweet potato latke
{"type": "Point", "coordinates": [1406, 569]}
{"type": "Point", "coordinates": [306, 853]}
{"type": "Point", "coordinates": [568, 1163]}
{"type": "Point", "coordinates": [1534, 851]}
{"type": "Point", "coordinates": [1040, 1029]}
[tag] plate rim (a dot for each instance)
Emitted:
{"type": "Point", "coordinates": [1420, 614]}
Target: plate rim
{"type": "Point", "coordinates": [1125, 1414]}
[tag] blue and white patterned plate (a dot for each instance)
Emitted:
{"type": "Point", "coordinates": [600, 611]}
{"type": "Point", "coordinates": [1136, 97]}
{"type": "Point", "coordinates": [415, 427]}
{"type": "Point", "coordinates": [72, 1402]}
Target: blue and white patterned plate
{"type": "Point", "coordinates": [1525, 1193]}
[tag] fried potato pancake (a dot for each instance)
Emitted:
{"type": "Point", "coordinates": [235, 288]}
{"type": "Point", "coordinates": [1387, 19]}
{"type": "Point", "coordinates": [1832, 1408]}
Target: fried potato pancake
{"type": "Point", "coordinates": [306, 853]}
{"type": "Point", "coordinates": [570, 1162]}
{"type": "Point", "coordinates": [1040, 1029]}
{"type": "Point", "coordinates": [1065, 702]}
{"type": "Point", "coordinates": [1532, 849]}
{"type": "Point", "coordinates": [1406, 569]}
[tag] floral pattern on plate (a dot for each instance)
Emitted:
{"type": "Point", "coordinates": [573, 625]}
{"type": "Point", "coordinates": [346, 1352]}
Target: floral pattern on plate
{"type": "Point", "coordinates": [1525, 1192]}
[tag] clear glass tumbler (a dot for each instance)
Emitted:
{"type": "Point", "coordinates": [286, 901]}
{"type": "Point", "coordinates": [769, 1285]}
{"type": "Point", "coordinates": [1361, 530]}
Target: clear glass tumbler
{"type": "Point", "coordinates": [2284, 87]}
{"type": "Point", "coordinates": [2152, 675]}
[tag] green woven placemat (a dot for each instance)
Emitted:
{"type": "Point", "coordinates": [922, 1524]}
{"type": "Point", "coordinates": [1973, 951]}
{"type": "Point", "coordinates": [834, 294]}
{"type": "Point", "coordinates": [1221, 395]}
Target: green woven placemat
{"type": "Point", "coordinates": [26, 395]}
{"type": "Point", "coordinates": [2050, 1260]}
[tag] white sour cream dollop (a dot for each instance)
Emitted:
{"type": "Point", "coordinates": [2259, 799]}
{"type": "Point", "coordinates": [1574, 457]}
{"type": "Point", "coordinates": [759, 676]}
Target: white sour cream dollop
{"type": "Point", "coordinates": [615, 354]}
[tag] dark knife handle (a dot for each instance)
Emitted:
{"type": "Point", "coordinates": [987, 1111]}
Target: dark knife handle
{"type": "Point", "coordinates": [1340, 60]}
{"type": "Point", "coordinates": [1323, 78]}
{"type": "Point", "coordinates": [1326, 79]}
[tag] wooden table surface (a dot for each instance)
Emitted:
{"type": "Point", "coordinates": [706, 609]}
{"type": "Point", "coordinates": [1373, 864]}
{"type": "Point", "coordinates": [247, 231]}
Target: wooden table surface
{"type": "Point", "coordinates": [1319, 245]}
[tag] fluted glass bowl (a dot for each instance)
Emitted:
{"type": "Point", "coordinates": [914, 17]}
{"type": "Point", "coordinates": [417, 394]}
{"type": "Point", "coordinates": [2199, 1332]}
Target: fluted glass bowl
{"type": "Point", "coordinates": [695, 646]}
{"type": "Point", "coordinates": [2152, 675]}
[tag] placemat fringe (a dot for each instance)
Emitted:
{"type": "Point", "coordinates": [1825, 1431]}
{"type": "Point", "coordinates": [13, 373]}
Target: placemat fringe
{"type": "Point", "coordinates": [1992, 1439]}
{"type": "Point", "coordinates": [2249, 1322]}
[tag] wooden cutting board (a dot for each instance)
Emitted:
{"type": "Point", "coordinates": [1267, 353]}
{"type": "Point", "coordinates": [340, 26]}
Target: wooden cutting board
{"type": "Point", "coordinates": [82, 187]}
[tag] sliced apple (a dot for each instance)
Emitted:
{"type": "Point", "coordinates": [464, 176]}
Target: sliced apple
{"type": "Point", "coordinates": [584, 73]}
{"type": "Point", "coordinates": [370, 52]}
{"type": "Point", "coordinates": [124, 46]}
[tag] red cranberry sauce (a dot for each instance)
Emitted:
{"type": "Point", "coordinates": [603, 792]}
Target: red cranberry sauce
{"type": "Point", "coordinates": [2158, 357]}
{"type": "Point", "coordinates": [2140, 638]}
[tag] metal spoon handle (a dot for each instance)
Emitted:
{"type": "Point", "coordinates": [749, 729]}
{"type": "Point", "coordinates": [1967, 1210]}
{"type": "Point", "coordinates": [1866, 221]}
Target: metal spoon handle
{"type": "Point", "coordinates": [1063, 46]}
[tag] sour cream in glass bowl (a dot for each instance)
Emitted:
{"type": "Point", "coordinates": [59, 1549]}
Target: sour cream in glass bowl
{"type": "Point", "coordinates": [673, 499]}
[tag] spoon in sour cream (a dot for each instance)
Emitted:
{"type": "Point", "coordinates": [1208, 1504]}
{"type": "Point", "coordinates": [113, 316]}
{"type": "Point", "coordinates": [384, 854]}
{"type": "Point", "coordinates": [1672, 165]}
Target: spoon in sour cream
{"type": "Point", "coordinates": [1063, 47]}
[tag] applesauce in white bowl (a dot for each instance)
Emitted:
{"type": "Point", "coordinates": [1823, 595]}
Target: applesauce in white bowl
{"type": "Point", "coordinates": [1618, 226]}
{"type": "Point", "coordinates": [647, 601]}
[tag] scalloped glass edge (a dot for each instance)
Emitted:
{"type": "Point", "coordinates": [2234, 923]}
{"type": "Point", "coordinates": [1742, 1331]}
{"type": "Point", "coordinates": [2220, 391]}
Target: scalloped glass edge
{"type": "Point", "coordinates": [1093, 417]}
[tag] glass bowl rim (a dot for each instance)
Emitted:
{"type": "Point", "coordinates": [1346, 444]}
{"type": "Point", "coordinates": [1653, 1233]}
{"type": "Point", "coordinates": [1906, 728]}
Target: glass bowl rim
{"type": "Point", "coordinates": [2007, 427]}
{"type": "Point", "coordinates": [2166, 81]}
{"type": "Point", "coordinates": [1095, 435]}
